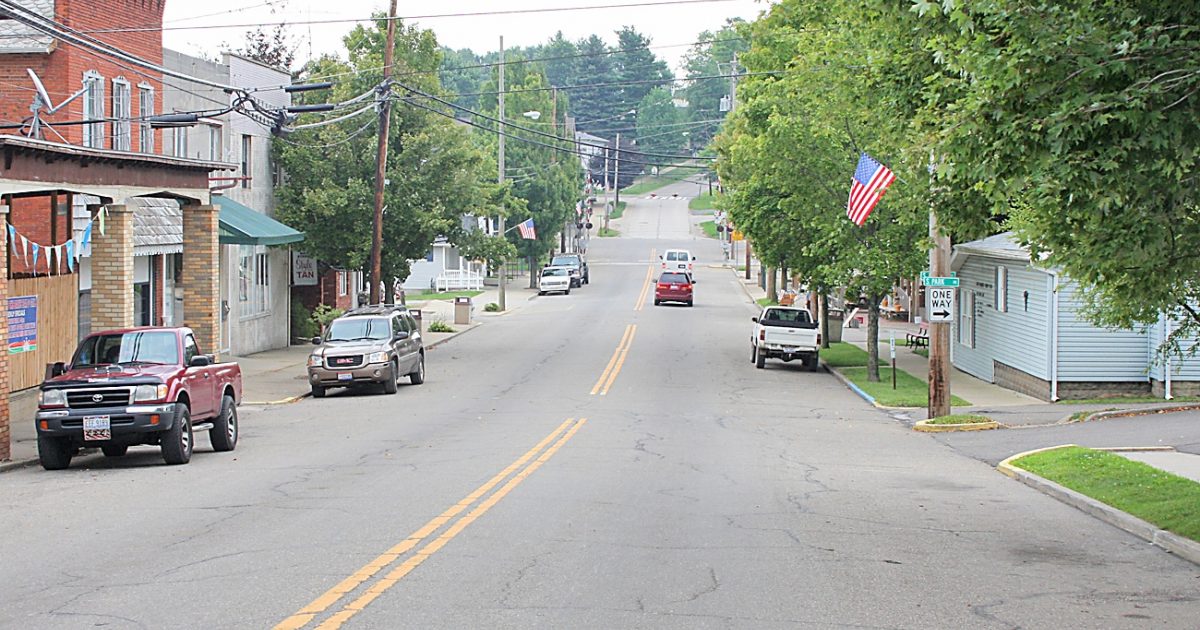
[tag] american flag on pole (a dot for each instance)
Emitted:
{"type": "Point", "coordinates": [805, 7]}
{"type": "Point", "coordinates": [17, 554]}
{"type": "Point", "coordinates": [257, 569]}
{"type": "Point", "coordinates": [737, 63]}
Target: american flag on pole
{"type": "Point", "coordinates": [871, 180]}
{"type": "Point", "coordinates": [526, 230]}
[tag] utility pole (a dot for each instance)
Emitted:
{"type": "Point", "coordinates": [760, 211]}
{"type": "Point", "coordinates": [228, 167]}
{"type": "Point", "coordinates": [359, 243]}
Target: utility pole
{"type": "Point", "coordinates": [617, 174]}
{"type": "Point", "coordinates": [385, 119]}
{"type": "Point", "coordinates": [500, 160]}
{"type": "Point", "coordinates": [606, 188]}
{"type": "Point", "coordinates": [939, 332]}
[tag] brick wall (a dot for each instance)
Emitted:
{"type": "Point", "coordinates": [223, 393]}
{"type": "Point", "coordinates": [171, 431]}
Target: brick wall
{"type": "Point", "coordinates": [112, 271]}
{"type": "Point", "coordinates": [1178, 388]}
{"type": "Point", "coordinates": [31, 216]}
{"type": "Point", "coordinates": [62, 70]}
{"type": "Point", "coordinates": [1018, 381]}
{"type": "Point", "coordinates": [201, 283]}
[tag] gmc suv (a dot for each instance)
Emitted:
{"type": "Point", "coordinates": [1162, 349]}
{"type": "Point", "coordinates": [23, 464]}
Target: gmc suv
{"type": "Point", "coordinates": [372, 345]}
{"type": "Point", "coordinates": [577, 265]}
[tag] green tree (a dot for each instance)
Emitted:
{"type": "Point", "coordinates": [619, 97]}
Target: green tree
{"type": "Point", "coordinates": [658, 121]}
{"type": "Point", "coordinates": [595, 106]}
{"type": "Point", "coordinates": [1074, 124]}
{"type": "Point", "coordinates": [711, 57]}
{"type": "Point", "coordinates": [436, 172]}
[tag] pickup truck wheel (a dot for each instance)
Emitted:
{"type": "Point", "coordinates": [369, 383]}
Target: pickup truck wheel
{"type": "Point", "coordinates": [224, 434]}
{"type": "Point", "coordinates": [760, 359]}
{"type": "Point", "coordinates": [389, 384]}
{"type": "Point", "coordinates": [417, 376]}
{"type": "Point", "coordinates": [318, 391]}
{"type": "Point", "coordinates": [54, 453]}
{"type": "Point", "coordinates": [814, 364]}
{"type": "Point", "coordinates": [177, 441]}
{"type": "Point", "coordinates": [753, 353]}
{"type": "Point", "coordinates": [114, 450]}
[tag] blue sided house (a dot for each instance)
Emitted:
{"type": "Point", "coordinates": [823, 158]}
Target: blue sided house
{"type": "Point", "coordinates": [1019, 325]}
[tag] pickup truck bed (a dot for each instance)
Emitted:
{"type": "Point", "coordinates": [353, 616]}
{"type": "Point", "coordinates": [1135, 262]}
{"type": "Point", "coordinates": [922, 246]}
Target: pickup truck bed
{"type": "Point", "coordinates": [786, 333]}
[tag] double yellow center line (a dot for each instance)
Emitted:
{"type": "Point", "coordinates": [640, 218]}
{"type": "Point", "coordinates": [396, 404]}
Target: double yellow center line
{"type": "Point", "coordinates": [344, 589]}
{"type": "Point", "coordinates": [609, 375]}
{"type": "Point", "coordinates": [647, 283]}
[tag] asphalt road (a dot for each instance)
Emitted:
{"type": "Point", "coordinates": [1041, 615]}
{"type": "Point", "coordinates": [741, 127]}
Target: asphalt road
{"type": "Point", "coordinates": [589, 461]}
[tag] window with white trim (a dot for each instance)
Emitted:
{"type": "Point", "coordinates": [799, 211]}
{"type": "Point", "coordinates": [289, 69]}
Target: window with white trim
{"type": "Point", "coordinates": [93, 109]}
{"type": "Point", "coordinates": [145, 109]}
{"type": "Point", "coordinates": [247, 148]}
{"type": "Point", "coordinates": [341, 283]}
{"type": "Point", "coordinates": [214, 143]}
{"type": "Point", "coordinates": [179, 141]}
{"type": "Point", "coordinates": [254, 280]}
{"type": "Point", "coordinates": [122, 127]}
{"type": "Point", "coordinates": [1002, 288]}
{"type": "Point", "coordinates": [966, 319]}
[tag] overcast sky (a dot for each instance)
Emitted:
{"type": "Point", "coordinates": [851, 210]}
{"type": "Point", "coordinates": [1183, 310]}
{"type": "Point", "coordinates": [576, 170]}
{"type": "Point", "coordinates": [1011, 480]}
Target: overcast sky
{"type": "Point", "coordinates": [665, 25]}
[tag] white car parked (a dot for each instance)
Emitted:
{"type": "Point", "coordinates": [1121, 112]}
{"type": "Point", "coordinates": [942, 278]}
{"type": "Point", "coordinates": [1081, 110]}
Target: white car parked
{"type": "Point", "coordinates": [554, 279]}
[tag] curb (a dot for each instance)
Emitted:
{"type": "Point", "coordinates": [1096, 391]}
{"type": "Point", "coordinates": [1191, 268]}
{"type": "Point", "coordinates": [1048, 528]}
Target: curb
{"type": "Point", "coordinates": [1128, 413]}
{"type": "Point", "coordinates": [924, 426]}
{"type": "Point", "coordinates": [854, 388]}
{"type": "Point", "coordinates": [17, 464]}
{"type": "Point", "coordinates": [1173, 543]}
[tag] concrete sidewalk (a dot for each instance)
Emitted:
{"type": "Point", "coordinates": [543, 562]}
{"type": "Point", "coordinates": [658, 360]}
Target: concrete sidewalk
{"type": "Point", "coordinates": [279, 376]}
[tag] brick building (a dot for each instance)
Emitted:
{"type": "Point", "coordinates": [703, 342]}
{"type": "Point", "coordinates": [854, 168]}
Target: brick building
{"type": "Point", "coordinates": [77, 187]}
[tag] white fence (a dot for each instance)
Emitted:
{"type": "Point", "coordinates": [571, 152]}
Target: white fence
{"type": "Point", "coordinates": [458, 280]}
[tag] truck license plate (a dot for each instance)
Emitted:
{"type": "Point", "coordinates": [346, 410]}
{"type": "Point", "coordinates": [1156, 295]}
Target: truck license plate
{"type": "Point", "coordinates": [96, 428]}
{"type": "Point", "coordinates": [345, 376]}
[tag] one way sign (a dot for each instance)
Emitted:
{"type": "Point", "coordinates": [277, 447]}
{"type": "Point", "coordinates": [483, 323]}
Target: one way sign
{"type": "Point", "coordinates": [939, 304]}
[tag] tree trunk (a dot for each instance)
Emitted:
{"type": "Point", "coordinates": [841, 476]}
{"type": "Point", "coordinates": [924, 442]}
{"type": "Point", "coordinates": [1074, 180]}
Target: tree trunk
{"type": "Point", "coordinates": [532, 275]}
{"type": "Point", "coordinates": [823, 303]}
{"type": "Point", "coordinates": [873, 300]}
{"type": "Point", "coordinates": [771, 292]}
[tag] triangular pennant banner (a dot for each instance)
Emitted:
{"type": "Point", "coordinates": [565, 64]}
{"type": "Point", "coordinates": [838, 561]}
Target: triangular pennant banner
{"type": "Point", "coordinates": [12, 234]}
{"type": "Point", "coordinates": [71, 255]}
{"type": "Point", "coordinates": [25, 249]}
{"type": "Point", "coordinates": [87, 234]}
{"type": "Point", "coordinates": [36, 249]}
{"type": "Point", "coordinates": [100, 217]}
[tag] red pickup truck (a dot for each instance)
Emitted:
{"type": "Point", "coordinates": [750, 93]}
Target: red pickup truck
{"type": "Point", "coordinates": [137, 386]}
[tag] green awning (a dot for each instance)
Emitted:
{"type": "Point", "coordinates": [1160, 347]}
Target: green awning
{"type": "Point", "coordinates": [243, 226]}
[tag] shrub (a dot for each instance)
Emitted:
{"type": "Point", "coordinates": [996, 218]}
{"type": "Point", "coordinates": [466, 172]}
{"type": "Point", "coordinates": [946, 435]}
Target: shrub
{"type": "Point", "coordinates": [324, 314]}
{"type": "Point", "coordinates": [303, 325]}
{"type": "Point", "coordinates": [440, 327]}
{"type": "Point", "coordinates": [492, 307]}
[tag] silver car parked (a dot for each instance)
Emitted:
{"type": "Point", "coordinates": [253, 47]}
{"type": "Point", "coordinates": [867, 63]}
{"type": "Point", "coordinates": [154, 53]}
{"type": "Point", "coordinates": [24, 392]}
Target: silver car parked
{"type": "Point", "coordinates": [369, 345]}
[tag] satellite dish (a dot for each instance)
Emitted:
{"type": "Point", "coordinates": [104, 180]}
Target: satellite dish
{"type": "Point", "coordinates": [41, 89]}
{"type": "Point", "coordinates": [42, 101]}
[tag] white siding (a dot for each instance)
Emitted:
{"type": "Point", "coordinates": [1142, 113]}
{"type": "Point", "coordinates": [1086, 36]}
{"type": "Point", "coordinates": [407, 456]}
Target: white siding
{"type": "Point", "coordinates": [1088, 353]}
{"type": "Point", "coordinates": [1187, 369]}
{"type": "Point", "coordinates": [1018, 337]}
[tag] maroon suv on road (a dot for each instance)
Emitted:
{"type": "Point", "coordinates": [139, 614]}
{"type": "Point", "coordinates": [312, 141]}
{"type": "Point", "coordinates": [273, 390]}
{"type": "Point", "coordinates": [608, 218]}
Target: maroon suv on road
{"type": "Point", "coordinates": [673, 287]}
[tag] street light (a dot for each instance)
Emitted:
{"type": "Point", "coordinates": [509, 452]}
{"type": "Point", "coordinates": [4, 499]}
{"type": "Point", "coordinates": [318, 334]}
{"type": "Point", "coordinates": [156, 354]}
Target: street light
{"type": "Point", "coordinates": [533, 115]}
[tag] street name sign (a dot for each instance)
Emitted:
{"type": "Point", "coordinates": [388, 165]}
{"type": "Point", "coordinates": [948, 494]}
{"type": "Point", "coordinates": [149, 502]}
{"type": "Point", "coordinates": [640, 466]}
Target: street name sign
{"type": "Point", "coordinates": [937, 281]}
{"type": "Point", "coordinates": [939, 304]}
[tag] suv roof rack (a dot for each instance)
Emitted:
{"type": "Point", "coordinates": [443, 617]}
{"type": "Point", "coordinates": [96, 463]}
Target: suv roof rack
{"type": "Point", "coordinates": [376, 309]}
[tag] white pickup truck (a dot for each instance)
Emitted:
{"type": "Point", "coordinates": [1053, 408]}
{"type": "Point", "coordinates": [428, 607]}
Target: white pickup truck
{"type": "Point", "coordinates": [785, 332]}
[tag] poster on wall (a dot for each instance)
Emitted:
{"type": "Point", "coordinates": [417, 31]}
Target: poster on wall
{"type": "Point", "coordinates": [22, 324]}
{"type": "Point", "coordinates": [304, 270]}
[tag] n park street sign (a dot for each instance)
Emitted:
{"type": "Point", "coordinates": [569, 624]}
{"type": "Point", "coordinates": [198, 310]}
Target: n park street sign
{"type": "Point", "coordinates": [939, 304]}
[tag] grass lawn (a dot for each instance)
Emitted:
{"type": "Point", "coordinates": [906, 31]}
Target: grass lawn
{"type": "Point", "coordinates": [654, 182]}
{"type": "Point", "coordinates": [1128, 399]}
{"type": "Point", "coordinates": [1166, 500]}
{"type": "Point", "coordinates": [959, 418]}
{"type": "Point", "coordinates": [766, 301]}
{"type": "Point", "coordinates": [910, 391]}
{"type": "Point", "coordinates": [710, 228]}
{"type": "Point", "coordinates": [617, 210]}
{"type": "Point", "coordinates": [444, 295]}
{"type": "Point", "coordinates": [607, 232]}
{"type": "Point", "coordinates": [703, 202]}
{"type": "Point", "coordinates": [842, 354]}
{"type": "Point", "coordinates": [923, 352]}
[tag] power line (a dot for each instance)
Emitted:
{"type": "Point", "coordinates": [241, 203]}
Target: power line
{"type": "Point", "coordinates": [525, 129]}
{"type": "Point", "coordinates": [153, 29]}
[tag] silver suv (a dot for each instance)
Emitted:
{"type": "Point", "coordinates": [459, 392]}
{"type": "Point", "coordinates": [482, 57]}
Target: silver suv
{"type": "Point", "coordinates": [373, 345]}
{"type": "Point", "coordinates": [578, 266]}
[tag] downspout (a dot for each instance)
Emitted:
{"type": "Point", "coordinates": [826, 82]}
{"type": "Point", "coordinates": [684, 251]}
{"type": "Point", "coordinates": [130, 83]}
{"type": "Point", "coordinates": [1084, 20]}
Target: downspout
{"type": "Point", "coordinates": [1054, 338]}
{"type": "Point", "coordinates": [1167, 362]}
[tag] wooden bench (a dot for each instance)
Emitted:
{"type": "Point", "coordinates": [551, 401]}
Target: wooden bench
{"type": "Point", "coordinates": [919, 339]}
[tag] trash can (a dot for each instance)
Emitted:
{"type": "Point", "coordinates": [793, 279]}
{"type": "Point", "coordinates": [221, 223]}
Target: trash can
{"type": "Point", "coordinates": [836, 320]}
{"type": "Point", "coordinates": [416, 315]}
{"type": "Point", "coordinates": [462, 310]}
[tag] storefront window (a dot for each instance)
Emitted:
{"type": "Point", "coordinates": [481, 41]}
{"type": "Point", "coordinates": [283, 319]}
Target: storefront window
{"type": "Point", "coordinates": [254, 280]}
